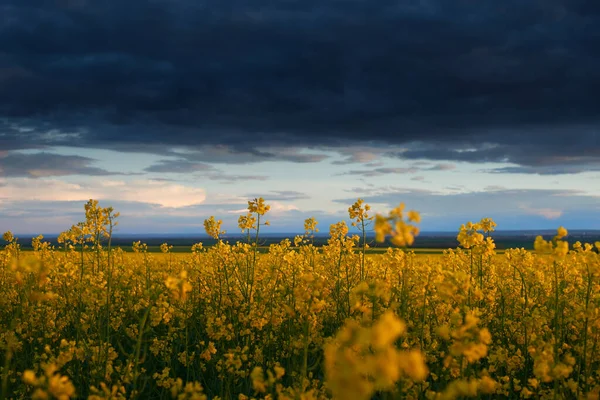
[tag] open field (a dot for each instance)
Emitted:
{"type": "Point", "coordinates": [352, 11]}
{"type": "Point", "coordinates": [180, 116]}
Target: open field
{"type": "Point", "coordinates": [429, 242]}
{"type": "Point", "coordinates": [185, 250]}
{"type": "Point", "coordinates": [299, 322]}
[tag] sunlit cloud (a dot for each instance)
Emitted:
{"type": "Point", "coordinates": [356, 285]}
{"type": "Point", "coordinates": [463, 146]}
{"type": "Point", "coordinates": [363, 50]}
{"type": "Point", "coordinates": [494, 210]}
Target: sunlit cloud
{"type": "Point", "coordinates": [164, 194]}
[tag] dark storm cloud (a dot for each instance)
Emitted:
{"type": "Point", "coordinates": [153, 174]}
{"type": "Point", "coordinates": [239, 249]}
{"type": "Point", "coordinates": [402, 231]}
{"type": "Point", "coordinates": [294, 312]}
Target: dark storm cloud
{"type": "Point", "coordinates": [508, 81]}
{"type": "Point", "coordinates": [540, 152]}
{"type": "Point", "coordinates": [380, 171]}
{"type": "Point", "coordinates": [39, 165]}
{"type": "Point", "coordinates": [201, 170]}
{"type": "Point", "coordinates": [196, 156]}
{"type": "Point", "coordinates": [416, 167]}
{"type": "Point", "coordinates": [233, 154]}
{"type": "Point", "coordinates": [549, 170]}
{"type": "Point", "coordinates": [233, 178]}
{"type": "Point", "coordinates": [178, 166]}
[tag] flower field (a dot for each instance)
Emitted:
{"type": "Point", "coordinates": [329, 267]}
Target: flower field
{"type": "Point", "coordinates": [87, 320]}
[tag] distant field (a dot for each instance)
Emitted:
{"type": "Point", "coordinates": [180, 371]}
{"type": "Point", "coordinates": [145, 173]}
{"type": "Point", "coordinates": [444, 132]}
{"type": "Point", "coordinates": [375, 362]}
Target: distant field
{"type": "Point", "coordinates": [264, 249]}
{"type": "Point", "coordinates": [425, 243]}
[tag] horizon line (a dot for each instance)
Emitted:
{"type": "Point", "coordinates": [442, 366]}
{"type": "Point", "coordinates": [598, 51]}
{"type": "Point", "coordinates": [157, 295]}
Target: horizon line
{"type": "Point", "coordinates": [319, 234]}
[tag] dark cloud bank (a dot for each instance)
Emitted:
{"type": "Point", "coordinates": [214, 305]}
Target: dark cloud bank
{"type": "Point", "coordinates": [43, 164]}
{"type": "Point", "coordinates": [476, 81]}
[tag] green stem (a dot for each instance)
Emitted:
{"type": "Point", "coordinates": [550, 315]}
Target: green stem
{"type": "Point", "coordinates": [583, 365]}
{"type": "Point", "coordinates": [138, 347]}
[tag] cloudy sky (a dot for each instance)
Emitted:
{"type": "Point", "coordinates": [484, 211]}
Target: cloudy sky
{"type": "Point", "coordinates": [175, 110]}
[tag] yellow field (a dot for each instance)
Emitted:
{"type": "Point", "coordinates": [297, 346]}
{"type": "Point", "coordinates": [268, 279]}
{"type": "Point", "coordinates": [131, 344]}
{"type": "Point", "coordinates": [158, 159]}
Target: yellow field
{"type": "Point", "coordinates": [224, 322]}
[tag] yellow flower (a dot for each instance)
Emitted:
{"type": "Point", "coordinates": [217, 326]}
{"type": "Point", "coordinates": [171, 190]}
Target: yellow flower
{"type": "Point", "coordinates": [382, 228]}
{"type": "Point", "coordinates": [556, 246]}
{"type": "Point", "coordinates": [468, 236]}
{"type": "Point", "coordinates": [413, 364]}
{"type": "Point", "coordinates": [310, 225]}
{"type": "Point", "coordinates": [386, 330]}
{"type": "Point", "coordinates": [403, 234]}
{"type": "Point", "coordinates": [361, 360]}
{"type": "Point", "coordinates": [165, 248]}
{"type": "Point", "coordinates": [414, 216]}
{"type": "Point", "coordinates": [61, 387]}
{"type": "Point", "coordinates": [8, 236]}
{"type": "Point", "coordinates": [213, 227]}
{"type": "Point", "coordinates": [29, 377]}
{"type": "Point", "coordinates": [561, 249]}
{"type": "Point", "coordinates": [487, 225]}
{"type": "Point", "coordinates": [179, 287]}
{"type": "Point", "coordinates": [338, 230]}
{"type": "Point", "coordinates": [359, 213]}
{"type": "Point", "coordinates": [258, 206]}
{"type": "Point", "coordinates": [542, 246]}
{"type": "Point", "coordinates": [279, 371]}
{"type": "Point", "coordinates": [247, 222]}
